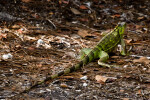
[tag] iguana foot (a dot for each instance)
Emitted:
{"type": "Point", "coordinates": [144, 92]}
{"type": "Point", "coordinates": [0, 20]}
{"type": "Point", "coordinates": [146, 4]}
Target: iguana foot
{"type": "Point", "coordinates": [107, 65]}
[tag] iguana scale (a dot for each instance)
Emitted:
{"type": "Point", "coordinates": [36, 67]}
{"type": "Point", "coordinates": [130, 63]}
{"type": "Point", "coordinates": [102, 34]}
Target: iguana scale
{"type": "Point", "coordinates": [101, 50]}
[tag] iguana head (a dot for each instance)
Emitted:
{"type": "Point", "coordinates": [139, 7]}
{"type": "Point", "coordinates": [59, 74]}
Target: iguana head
{"type": "Point", "coordinates": [121, 28]}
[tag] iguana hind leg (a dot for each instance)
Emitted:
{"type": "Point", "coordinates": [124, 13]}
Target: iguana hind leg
{"type": "Point", "coordinates": [102, 55]}
{"type": "Point", "coordinates": [103, 58]}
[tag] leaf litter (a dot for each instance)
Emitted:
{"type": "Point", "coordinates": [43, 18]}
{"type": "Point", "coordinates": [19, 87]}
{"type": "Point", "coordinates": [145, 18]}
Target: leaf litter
{"type": "Point", "coordinates": [45, 37]}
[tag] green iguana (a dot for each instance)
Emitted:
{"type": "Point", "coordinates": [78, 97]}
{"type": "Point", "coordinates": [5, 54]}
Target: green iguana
{"type": "Point", "coordinates": [101, 50]}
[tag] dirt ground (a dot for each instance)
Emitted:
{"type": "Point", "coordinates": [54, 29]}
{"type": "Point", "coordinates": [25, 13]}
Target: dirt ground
{"type": "Point", "coordinates": [39, 38]}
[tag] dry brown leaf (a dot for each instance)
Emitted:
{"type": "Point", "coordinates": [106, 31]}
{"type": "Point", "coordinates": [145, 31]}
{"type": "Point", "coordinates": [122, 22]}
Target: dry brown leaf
{"type": "Point", "coordinates": [139, 92]}
{"type": "Point", "coordinates": [70, 54]}
{"type": "Point", "coordinates": [121, 90]}
{"type": "Point", "coordinates": [83, 19]}
{"type": "Point", "coordinates": [75, 11]}
{"type": "Point", "coordinates": [139, 18]}
{"type": "Point", "coordinates": [15, 26]}
{"type": "Point", "coordinates": [137, 42]}
{"type": "Point", "coordinates": [39, 65]}
{"type": "Point", "coordinates": [116, 15]}
{"type": "Point", "coordinates": [83, 7]}
{"type": "Point", "coordinates": [51, 13]}
{"type": "Point", "coordinates": [148, 70]}
{"type": "Point", "coordinates": [101, 6]}
{"type": "Point", "coordinates": [3, 36]}
{"type": "Point", "coordinates": [65, 1]}
{"type": "Point", "coordinates": [20, 31]}
{"type": "Point", "coordinates": [138, 26]}
{"type": "Point", "coordinates": [83, 33]}
{"type": "Point", "coordinates": [26, 1]}
{"type": "Point", "coordinates": [142, 60]}
{"type": "Point", "coordinates": [128, 41]}
{"type": "Point", "coordinates": [100, 78]}
{"type": "Point", "coordinates": [125, 98]}
{"type": "Point", "coordinates": [64, 85]}
{"type": "Point", "coordinates": [68, 77]}
{"type": "Point", "coordinates": [114, 57]}
{"type": "Point", "coordinates": [106, 32]}
{"type": "Point", "coordinates": [31, 48]}
{"type": "Point", "coordinates": [35, 15]}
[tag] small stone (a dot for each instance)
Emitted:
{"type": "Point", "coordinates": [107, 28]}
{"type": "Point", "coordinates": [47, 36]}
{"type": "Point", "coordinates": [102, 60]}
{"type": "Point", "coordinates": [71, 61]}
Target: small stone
{"type": "Point", "coordinates": [40, 41]}
{"type": "Point", "coordinates": [144, 69]}
{"type": "Point", "coordinates": [85, 84]}
{"type": "Point", "coordinates": [84, 78]}
{"type": "Point", "coordinates": [125, 66]}
{"type": "Point", "coordinates": [7, 56]}
{"type": "Point", "coordinates": [78, 90]}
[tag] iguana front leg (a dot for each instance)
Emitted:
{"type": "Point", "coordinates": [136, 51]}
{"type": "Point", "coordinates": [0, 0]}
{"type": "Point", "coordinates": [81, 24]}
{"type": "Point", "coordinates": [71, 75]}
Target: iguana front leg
{"type": "Point", "coordinates": [123, 47]}
{"type": "Point", "coordinates": [102, 55]}
{"type": "Point", "coordinates": [103, 58]}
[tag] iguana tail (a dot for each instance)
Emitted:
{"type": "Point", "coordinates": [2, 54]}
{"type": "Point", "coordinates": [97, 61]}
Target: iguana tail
{"type": "Point", "coordinates": [88, 58]}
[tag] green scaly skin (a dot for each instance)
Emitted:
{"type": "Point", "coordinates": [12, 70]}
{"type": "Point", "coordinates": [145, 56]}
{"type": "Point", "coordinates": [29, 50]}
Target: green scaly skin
{"type": "Point", "coordinates": [106, 44]}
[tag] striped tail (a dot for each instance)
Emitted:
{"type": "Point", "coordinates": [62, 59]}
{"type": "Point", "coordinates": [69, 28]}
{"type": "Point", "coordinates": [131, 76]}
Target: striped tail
{"type": "Point", "coordinates": [87, 59]}
{"type": "Point", "coordinates": [90, 57]}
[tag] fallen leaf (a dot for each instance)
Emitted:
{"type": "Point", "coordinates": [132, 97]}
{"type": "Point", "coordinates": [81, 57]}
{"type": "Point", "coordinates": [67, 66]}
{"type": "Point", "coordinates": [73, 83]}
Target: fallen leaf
{"type": "Point", "coordinates": [83, 19]}
{"type": "Point", "coordinates": [106, 32]}
{"type": "Point", "coordinates": [66, 2]}
{"type": "Point", "coordinates": [63, 1]}
{"type": "Point", "coordinates": [139, 18]}
{"type": "Point", "coordinates": [128, 41]}
{"type": "Point", "coordinates": [121, 90]}
{"type": "Point", "coordinates": [101, 6]}
{"type": "Point", "coordinates": [137, 42]}
{"type": "Point", "coordinates": [20, 30]}
{"type": "Point", "coordinates": [69, 54]}
{"type": "Point", "coordinates": [116, 15]}
{"type": "Point", "coordinates": [15, 26]}
{"type": "Point", "coordinates": [35, 15]}
{"type": "Point", "coordinates": [142, 60]}
{"type": "Point", "coordinates": [83, 7]}
{"type": "Point", "coordinates": [100, 78]}
{"type": "Point", "coordinates": [51, 13]}
{"type": "Point", "coordinates": [31, 48]}
{"type": "Point", "coordinates": [75, 11]}
{"type": "Point", "coordinates": [83, 33]}
{"type": "Point", "coordinates": [139, 91]}
{"type": "Point", "coordinates": [114, 57]}
{"type": "Point", "coordinates": [68, 77]}
{"type": "Point", "coordinates": [138, 26]}
{"type": "Point", "coordinates": [125, 98]}
{"type": "Point", "coordinates": [26, 1]}
{"type": "Point", "coordinates": [63, 85]}
{"type": "Point", "coordinates": [127, 76]}
{"type": "Point", "coordinates": [39, 65]}
{"type": "Point", "coordinates": [3, 36]}
{"type": "Point", "coordinates": [148, 70]}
